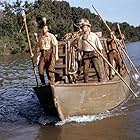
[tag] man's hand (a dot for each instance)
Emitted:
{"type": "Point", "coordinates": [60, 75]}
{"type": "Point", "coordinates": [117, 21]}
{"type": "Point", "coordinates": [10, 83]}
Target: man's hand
{"type": "Point", "coordinates": [32, 55]}
{"type": "Point", "coordinates": [56, 57]}
{"type": "Point", "coordinates": [79, 56]}
{"type": "Point", "coordinates": [101, 51]}
{"type": "Point", "coordinates": [85, 37]}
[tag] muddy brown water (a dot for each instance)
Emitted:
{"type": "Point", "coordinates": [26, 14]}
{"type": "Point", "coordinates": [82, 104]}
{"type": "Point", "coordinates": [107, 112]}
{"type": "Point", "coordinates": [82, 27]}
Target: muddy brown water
{"type": "Point", "coordinates": [21, 116]}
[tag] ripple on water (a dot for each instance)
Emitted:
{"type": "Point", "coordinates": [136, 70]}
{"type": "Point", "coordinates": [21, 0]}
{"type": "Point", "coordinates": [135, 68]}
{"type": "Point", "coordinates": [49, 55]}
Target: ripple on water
{"type": "Point", "coordinates": [18, 103]}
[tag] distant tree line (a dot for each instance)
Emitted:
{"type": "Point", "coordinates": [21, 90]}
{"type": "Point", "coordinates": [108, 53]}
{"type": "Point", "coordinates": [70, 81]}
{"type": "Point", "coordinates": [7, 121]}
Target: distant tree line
{"type": "Point", "coordinates": [60, 18]}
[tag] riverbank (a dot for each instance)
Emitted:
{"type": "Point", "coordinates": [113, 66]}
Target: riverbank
{"type": "Point", "coordinates": [10, 51]}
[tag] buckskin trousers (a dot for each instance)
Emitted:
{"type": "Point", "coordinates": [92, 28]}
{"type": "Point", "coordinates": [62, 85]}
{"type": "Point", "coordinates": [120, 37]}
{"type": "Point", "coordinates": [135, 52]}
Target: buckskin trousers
{"type": "Point", "coordinates": [47, 62]}
{"type": "Point", "coordinates": [91, 57]}
{"type": "Point", "coordinates": [113, 55]}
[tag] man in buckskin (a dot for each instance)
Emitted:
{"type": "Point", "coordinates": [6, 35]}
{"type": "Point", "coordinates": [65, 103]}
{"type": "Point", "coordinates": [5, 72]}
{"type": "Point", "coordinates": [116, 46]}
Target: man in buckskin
{"type": "Point", "coordinates": [48, 46]}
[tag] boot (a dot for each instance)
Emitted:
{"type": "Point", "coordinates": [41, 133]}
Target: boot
{"type": "Point", "coordinates": [85, 79]}
{"type": "Point", "coordinates": [42, 80]}
{"type": "Point", "coordinates": [51, 81]}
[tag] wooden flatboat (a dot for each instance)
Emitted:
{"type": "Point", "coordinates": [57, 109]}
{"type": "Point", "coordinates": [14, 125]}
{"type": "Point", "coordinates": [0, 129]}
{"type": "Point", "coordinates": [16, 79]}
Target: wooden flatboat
{"type": "Point", "coordinates": [65, 99]}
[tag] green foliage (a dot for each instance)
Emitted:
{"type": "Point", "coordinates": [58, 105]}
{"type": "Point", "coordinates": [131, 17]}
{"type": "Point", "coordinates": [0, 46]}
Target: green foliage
{"type": "Point", "coordinates": [60, 19]}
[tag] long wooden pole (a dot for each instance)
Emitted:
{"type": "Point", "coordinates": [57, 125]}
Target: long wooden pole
{"type": "Point", "coordinates": [117, 41]}
{"type": "Point", "coordinates": [38, 52]}
{"type": "Point", "coordinates": [125, 51]}
{"type": "Point", "coordinates": [130, 75]}
{"type": "Point", "coordinates": [35, 34]}
{"type": "Point", "coordinates": [29, 44]}
{"type": "Point", "coordinates": [130, 61]}
{"type": "Point", "coordinates": [110, 31]}
{"type": "Point", "coordinates": [113, 69]}
{"type": "Point", "coordinates": [121, 34]}
{"type": "Point", "coordinates": [102, 18]}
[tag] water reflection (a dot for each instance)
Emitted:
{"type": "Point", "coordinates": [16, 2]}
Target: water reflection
{"type": "Point", "coordinates": [115, 128]}
{"type": "Point", "coordinates": [50, 133]}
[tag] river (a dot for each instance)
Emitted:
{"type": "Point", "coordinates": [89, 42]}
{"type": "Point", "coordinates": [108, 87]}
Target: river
{"type": "Point", "coordinates": [21, 116]}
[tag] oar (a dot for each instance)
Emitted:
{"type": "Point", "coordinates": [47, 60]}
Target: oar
{"type": "Point", "coordinates": [113, 69]}
{"type": "Point", "coordinates": [38, 52]}
{"type": "Point", "coordinates": [122, 40]}
{"type": "Point", "coordinates": [29, 44]}
{"type": "Point", "coordinates": [127, 53]}
{"type": "Point", "coordinates": [121, 34]}
{"type": "Point", "coordinates": [102, 19]}
{"type": "Point", "coordinates": [35, 34]}
{"type": "Point", "coordinates": [130, 76]}
{"type": "Point", "coordinates": [128, 58]}
{"type": "Point", "coordinates": [131, 63]}
{"type": "Point", "coordinates": [110, 31]}
{"type": "Point", "coordinates": [123, 50]}
{"type": "Point", "coordinates": [117, 41]}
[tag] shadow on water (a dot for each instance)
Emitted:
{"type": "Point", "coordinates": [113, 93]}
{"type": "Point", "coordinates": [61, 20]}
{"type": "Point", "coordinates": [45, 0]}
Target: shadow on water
{"type": "Point", "coordinates": [21, 113]}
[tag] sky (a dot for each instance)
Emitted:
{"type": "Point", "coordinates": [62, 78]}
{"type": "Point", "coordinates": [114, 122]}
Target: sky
{"type": "Point", "coordinates": [111, 10]}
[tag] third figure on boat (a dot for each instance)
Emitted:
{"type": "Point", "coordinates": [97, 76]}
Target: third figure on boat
{"type": "Point", "coordinates": [114, 54]}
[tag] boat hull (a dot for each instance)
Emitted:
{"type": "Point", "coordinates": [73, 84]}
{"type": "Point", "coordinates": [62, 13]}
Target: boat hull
{"type": "Point", "coordinates": [84, 98]}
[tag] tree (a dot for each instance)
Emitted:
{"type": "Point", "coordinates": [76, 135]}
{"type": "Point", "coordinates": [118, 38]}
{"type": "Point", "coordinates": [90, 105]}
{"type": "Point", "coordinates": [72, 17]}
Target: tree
{"type": "Point", "coordinates": [60, 19]}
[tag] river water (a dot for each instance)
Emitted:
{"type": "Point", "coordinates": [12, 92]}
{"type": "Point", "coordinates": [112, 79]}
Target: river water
{"type": "Point", "coordinates": [21, 116]}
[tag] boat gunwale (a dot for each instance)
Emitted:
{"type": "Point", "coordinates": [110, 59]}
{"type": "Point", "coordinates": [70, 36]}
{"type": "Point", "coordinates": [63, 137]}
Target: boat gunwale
{"type": "Point", "coordinates": [92, 83]}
